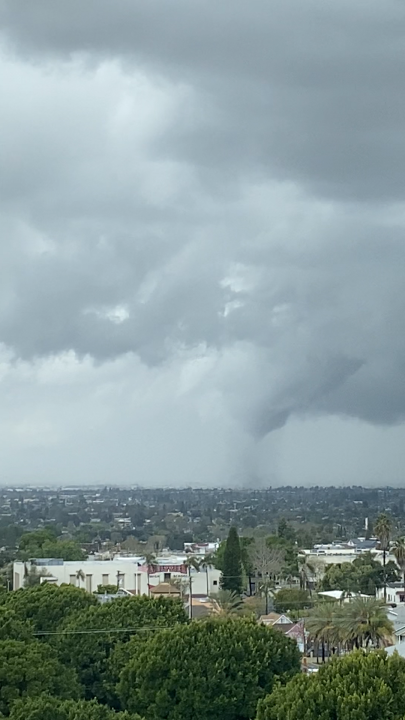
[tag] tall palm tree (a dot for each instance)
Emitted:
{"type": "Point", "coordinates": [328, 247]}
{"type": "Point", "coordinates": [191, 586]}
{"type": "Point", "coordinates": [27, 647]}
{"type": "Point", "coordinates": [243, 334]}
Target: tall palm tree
{"type": "Point", "coordinates": [150, 562]}
{"type": "Point", "coordinates": [399, 554]}
{"type": "Point", "coordinates": [363, 621]}
{"type": "Point", "coordinates": [227, 603]}
{"type": "Point", "coordinates": [382, 530]}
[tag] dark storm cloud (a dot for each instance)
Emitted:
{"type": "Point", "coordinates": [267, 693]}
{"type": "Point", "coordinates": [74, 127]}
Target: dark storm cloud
{"type": "Point", "coordinates": [312, 92]}
{"type": "Point", "coordinates": [224, 181]}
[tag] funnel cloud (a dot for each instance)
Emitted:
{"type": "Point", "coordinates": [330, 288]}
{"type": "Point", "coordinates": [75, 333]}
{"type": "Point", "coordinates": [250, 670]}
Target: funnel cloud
{"type": "Point", "coordinates": [202, 242]}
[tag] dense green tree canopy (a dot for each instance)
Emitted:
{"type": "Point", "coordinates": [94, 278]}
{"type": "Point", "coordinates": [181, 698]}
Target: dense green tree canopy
{"type": "Point", "coordinates": [64, 549]}
{"type": "Point", "coordinates": [44, 543]}
{"type": "Point", "coordinates": [119, 657]}
{"type": "Point", "coordinates": [36, 539]}
{"type": "Point", "coordinates": [292, 599]}
{"type": "Point", "coordinates": [91, 635]}
{"type": "Point", "coordinates": [46, 605]}
{"type": "Point", "coordinates": [214, 670]}
{"type": "Point", "coordinates": [364, 575]}
{"type": "Point", "coordinates": [51, 708]}
{"type": "Point", "coordinates": [12, 627]}
{"type": "Point", "coordinates": [30, 669]}
{"type": "Point", "coordinates": [109, 589]}
{"type": "Point", "coordinates": [358, 686]}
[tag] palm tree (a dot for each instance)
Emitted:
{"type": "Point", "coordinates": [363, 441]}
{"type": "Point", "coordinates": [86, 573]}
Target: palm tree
{"type": "Point", "coordinates": [191, 562]}
{"type": "Point", "coordinates": [150, 562]}
{"type": "Point", "coordinates": [363, 621]}
{"type": "Point", "coordinates": [383, 530]}
{"type": "Point", "coordinates": [80, 576]}
{"type": "Point", "coordinates": [399, 554]}
{"type": "Point", "coordinates": [206, 563]}
{"type": "Point", "coordinates": [322, 625]}
{"type": "Point", "coordinates": [227, 603]}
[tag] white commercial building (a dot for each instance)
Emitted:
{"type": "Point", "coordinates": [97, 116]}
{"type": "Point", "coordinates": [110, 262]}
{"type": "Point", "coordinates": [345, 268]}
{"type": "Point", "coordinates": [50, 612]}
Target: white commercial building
{"type": "Point", "coordinates": [201, 549]}
{"type": "Point", "coordinates": [337, 553]}
{"type": "Point", "coordinates": [130, 573]}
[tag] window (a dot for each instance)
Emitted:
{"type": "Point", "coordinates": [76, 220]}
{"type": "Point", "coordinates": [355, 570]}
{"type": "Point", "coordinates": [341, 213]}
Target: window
{"type": "Point", "coordinates": [72, 579]}
{"type": "Point", "coordinates": [105, 580]}
{"type": "Point", "coordinates": [215, 582]}
{"type": "Point", "coordinates": [88, 582]}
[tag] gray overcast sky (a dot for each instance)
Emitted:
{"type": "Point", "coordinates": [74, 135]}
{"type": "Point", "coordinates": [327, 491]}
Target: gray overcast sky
{"type": "Point", "coordinates": [202, 241]}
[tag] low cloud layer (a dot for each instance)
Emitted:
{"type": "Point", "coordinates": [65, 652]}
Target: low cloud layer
{"type": "Point", "coordinates": [201, 264]}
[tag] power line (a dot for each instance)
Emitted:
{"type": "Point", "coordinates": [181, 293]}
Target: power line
{"type": "Point", "coordinates": [106, 630]}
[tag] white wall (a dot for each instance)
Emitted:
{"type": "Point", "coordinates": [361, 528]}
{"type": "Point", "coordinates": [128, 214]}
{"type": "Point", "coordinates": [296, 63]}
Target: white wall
{"type": "Point", "coordinates": [129, 574]}
{"type": "Point", "coordinates": [334, 557]}
{"type": "Point", "coordinates": [393, 595]}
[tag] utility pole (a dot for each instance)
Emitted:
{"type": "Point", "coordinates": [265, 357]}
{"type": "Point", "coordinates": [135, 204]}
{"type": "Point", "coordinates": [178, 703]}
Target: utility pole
{"type": "Point", "coordinates": [191, 561]}
{"type": "Point", "coordinates": [190, 594]}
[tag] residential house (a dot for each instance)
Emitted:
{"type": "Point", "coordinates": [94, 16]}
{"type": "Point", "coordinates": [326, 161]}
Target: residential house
{"type": "Point", "coordinates": [274, 618]}
{"type": "Point", "coordinates": [165, 589]}
{"type": "Point", "coordinates": [285, 625]}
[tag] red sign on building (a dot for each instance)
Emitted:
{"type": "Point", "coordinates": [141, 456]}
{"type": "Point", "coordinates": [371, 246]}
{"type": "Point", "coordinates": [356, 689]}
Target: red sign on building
{"type": "Point", "coordinates": [170, 568]}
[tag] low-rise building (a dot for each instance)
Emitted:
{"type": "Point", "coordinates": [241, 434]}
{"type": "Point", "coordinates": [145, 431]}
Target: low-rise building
{"type": "Point", "coordinates": [395, 593]}
{"type": "Point", "coordinates": [165, 589]}
{"type": "Point", "coordinates": [398, 647]}
{"type": "Point", "coordinates": [341, 595]}
{"type": "Point", "coordinates": [334, 553]}
{"type": "Point", "coordinates": [295, 631]}
{"type": "Point", "coordinates": [129, 573]}
{"type": "Point", "coordinates": [284, 624]}
{"type": "Point", "coordinates": [201, 549]}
